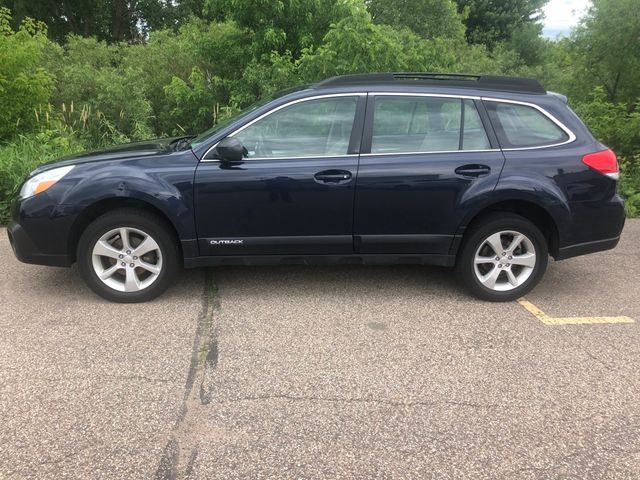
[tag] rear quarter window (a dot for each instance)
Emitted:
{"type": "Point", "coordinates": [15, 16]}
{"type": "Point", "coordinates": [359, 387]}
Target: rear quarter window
{"type": "Point", "coordinates": [519, 126]}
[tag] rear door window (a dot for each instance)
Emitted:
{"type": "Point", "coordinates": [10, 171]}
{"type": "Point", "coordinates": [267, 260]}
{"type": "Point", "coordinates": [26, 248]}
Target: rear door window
{"type": "Point", "coordinates": [520, 126]}
{"type": "Point", "coordinates": [405, 124]}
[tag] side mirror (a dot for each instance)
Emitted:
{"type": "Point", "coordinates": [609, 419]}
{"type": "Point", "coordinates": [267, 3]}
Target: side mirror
{"type": "Point", "coordinates": [230, 149]}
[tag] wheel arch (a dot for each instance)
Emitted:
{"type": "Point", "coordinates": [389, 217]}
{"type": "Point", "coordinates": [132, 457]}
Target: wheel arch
{"type": "Point", "coordinates": [534, 212]}
{"type": "Point", "coordinates": [100, 207]}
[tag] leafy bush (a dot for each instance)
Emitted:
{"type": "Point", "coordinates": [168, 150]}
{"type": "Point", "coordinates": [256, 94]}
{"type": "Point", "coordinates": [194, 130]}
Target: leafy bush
{"type": "Point", "coordinates": [630, 184]}
{"type": "Point", "coordinates": [90, 73]}
{"type": "Point", "coordinates": [24, 84]}
{"type": "Point", "coordinates": [611, 123]}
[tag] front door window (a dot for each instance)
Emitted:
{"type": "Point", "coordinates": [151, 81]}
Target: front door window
{"type": "Point", "coordinates": [313, 128]}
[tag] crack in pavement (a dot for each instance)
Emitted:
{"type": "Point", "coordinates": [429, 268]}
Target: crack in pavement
{"type": "Point", "coordinates": [181, 448]}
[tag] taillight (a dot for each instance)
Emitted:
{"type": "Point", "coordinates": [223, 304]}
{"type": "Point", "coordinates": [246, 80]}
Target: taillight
{"type": "Point", "coordinates": [604, 162]}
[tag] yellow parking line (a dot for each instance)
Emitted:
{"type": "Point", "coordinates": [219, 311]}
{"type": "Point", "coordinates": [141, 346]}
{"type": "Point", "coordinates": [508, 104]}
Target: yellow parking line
{"type": "Point", "coordinates": [547, 320]}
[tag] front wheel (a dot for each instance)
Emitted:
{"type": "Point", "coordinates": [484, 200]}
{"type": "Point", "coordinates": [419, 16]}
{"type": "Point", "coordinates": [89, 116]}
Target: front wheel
{"type": "Point", "coordinates": [127, 256]}
{"type": "Point", "coordinates": [502, 258]}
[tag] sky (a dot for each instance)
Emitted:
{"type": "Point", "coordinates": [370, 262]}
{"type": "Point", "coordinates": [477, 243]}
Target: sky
{"type": "Point", "coordinates": [562, 15]}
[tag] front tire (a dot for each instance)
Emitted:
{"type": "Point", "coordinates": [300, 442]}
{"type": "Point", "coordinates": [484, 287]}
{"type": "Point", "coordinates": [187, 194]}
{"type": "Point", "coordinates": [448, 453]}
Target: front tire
{"type": "Point", "coordinates": [502, 258]}
{"type": "Point", "coordinates": [128, 256]}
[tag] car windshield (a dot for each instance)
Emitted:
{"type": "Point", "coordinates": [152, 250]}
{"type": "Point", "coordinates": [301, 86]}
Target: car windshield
{"type": "Point", "coordinates": [227, 121]}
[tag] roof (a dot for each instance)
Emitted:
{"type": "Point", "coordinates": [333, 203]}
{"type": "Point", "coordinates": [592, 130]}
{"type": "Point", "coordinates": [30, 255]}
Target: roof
{"type": "Point", "coordinates": [481, 82]}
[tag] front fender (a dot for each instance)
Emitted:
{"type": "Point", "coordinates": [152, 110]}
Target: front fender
{"type": "Point", "coordinates": [161, 182]}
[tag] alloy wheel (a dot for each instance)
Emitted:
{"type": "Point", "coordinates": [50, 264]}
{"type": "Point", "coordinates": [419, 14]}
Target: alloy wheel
{"type": "Point", "coordinates": [505, 260]}
{"type": "Point", "coordinates": [127, 259]}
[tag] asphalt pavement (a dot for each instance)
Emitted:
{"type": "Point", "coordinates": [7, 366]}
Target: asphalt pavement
{"type": "Point", "coordinates": [322, 372]}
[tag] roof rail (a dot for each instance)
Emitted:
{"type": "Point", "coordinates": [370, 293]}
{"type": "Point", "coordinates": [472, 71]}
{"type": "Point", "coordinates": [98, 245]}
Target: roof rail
{"type": "Point", "coordinates": [483, 82]}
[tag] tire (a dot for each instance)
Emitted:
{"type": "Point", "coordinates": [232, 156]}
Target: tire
{"type": "Point", "coordinates": [499, 276]}
{"type": "Point", "coordinates": [128, 278]}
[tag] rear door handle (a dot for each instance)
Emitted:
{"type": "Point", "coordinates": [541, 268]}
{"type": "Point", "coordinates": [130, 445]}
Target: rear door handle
{"type": "Point", "coordinates": [473, 170]}
{"type": "Point", "coordinates": [333, 176]}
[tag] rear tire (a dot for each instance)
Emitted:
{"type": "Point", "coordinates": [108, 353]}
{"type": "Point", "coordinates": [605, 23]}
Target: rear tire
{"type": "Point", "coordinates": [128, 256]}
{"type": "Point", "coordinates": [502, 257]}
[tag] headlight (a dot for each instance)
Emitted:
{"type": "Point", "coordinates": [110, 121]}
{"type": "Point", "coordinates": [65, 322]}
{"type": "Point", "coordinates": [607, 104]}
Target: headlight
{"type": "Point", "coordinates": [43, 181]}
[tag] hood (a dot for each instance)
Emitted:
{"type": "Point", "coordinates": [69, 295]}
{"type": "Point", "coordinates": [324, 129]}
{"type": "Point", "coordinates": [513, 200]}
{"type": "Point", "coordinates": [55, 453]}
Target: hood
{"type": "Point", "coordinates": [117, 152]}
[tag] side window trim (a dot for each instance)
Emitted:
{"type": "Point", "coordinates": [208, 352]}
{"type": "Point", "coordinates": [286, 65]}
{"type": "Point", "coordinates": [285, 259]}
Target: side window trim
{"type": "Point", "coordinates": [359, 106]}
{"type": "Point", "coordinates": [355, 142]}
{"type": "Point", "coordinates": [368, 126]}
{"type": "Point", "coordinates": [461, 135]}
{"type": "Point", "coordinates": [571, 137]}
{"type": "Point", "coordinates": [486, 123]}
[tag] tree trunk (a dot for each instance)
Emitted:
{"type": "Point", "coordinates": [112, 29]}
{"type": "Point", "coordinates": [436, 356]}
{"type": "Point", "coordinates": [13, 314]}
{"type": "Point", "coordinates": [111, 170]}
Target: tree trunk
{"type": "Point", "coordinates": [119, 24]}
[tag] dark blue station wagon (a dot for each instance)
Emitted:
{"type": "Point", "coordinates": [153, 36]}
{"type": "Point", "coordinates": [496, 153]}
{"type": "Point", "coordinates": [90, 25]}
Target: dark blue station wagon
{"type": "Point", "coordinates": [487, 174]}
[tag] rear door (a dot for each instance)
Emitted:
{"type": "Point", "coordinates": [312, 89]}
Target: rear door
{"type": "Point", "coordinates": [424, 159]}
{"type": "Point", "coordinates": [293, 192]}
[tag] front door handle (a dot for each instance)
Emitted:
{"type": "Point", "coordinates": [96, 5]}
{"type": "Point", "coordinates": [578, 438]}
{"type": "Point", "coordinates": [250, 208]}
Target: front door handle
{"type": "Point", "coordinates": [473, 170]}
{"type": "Point", "coordinates": [333, 176]}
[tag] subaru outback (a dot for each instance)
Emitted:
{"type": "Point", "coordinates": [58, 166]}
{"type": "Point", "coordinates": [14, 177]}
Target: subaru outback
{"type": "Point", "coordinates": [490, 175]}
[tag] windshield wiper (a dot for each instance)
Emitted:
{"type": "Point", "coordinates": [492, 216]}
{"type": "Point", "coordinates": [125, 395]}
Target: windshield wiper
{"type": "Point", "coordinates": [182, 143]}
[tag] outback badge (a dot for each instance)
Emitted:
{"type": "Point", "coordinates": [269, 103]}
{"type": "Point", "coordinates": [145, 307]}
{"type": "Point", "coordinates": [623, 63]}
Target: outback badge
{"type": "Point", "coordinates": [226, 242]}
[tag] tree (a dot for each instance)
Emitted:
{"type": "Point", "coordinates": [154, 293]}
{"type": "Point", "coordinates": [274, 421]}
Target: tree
{"type": "Point", "coordinates": [492, 21]}
{"type": "Point", "coordinates": [280, 25]}
{"type": "Point", "coordinates": [82, 17]}
{"type": "Point", "coordinates": [427, 18]}
{"type": "Point", "coordinates": [607, 49]}
{"type": "Point", "coordinates": [356, 45]}
{"type": "Point", "coordinates": [110, 20]}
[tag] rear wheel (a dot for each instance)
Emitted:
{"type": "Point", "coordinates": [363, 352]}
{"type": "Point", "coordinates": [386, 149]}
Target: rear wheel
{"type": "Point", "coordinates": [502, 258]}
{"type": "Point", "coordinates": [127, 256]}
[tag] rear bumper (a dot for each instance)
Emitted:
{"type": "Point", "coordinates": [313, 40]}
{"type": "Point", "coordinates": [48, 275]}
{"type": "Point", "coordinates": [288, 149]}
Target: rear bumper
{"type": "Point", "coordinates": [26, 250]}
{"type": "Point", "coordinates": [594, 227]}
{"type": "Point", "coordinates": [587, 247]}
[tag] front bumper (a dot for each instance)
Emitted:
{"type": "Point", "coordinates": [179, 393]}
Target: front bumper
{"type": "Point", "coordinates": [39, 231]}
{"type": "Point", "coordinates": [26, 250]}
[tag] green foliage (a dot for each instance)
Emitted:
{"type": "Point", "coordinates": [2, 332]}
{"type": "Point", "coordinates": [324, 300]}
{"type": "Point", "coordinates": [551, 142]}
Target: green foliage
{"type": "Point", "coordinates": [427, 18]}
{"type": "Point", "coordinates": [356, 44]}
{"type": "Point", "coordinates": [195, 100]}
{"type": "Point", "coordinates": [91, 73]}
{"type": "Point", "coordinates": [611, 123]}
{"type": "Point", "coordinates": [528, 44]}
{"type": "Point", "coordinates": [630, 184]}
{"type": "Point", "coordinates": [490, 22]}
{"type": "Point", "coordinates": [606, 49]}
{"type": "Point", "coordinates": [263, 77]}
{"type": "Point", "coordinates": [24, 84]}
{"type": "Point", "coordinates": [110, 20]}
{"type": "Point", "coordinates": [280, 25]}
{"type": "Point", "coordinates": [82, 17]}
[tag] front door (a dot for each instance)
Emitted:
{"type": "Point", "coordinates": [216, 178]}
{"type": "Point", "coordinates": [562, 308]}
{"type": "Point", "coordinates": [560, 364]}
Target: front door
{"type": "Point", "coordinates": [424, 160]}
{"type": "Point", "coordinates": [293, 192]}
